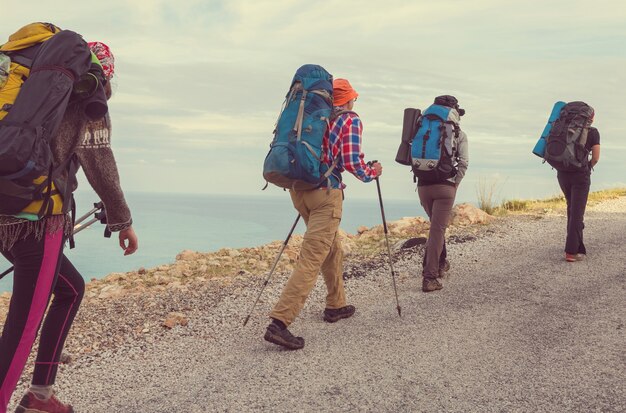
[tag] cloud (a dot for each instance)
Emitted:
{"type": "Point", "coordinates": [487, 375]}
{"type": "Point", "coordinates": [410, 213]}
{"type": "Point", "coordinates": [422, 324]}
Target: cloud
{"type": "Point", "coordinates": [143, 101]}
{"type": "Point", "coordinates": [212, 130]}
{"type": "Point", "coordinates": [202, 81]}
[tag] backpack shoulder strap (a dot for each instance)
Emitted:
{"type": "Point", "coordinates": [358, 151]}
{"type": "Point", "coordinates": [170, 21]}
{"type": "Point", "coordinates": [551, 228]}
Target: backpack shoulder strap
{"type": "Point", "coordinates": [335, 115]}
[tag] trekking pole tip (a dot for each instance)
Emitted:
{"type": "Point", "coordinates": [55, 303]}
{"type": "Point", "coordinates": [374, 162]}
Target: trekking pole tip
{"type": "Point", "coordinates": [399, 312]}
{"type": "Point", "coordinates": [246, 321]}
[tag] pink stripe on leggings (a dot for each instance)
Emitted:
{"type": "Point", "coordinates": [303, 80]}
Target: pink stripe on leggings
{"type": "Point", "coordinates": [51, 254]}
{"type": "Point", "coordinates": [67, 316]}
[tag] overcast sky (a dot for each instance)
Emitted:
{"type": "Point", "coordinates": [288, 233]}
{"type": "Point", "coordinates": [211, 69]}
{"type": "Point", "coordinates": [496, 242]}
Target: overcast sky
{"type": "Point", "coordinates": [199, 83]}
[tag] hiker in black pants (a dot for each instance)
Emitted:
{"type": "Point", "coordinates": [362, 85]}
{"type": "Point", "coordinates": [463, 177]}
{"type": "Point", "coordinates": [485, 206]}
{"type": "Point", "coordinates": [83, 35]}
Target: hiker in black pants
{"type": "Point", "coordinates": [575, 187]}
{"type": "Point", "coordinates": [35, 247]}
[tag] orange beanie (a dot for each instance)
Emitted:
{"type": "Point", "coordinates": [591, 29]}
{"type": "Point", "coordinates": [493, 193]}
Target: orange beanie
{"type": "Point", "coordinates": [343, 92]}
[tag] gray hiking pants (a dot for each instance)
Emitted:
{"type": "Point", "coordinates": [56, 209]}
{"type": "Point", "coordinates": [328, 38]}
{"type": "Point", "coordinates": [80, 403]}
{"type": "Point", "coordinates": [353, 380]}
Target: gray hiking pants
{"type": "Point", "coordinates": [438, 201]}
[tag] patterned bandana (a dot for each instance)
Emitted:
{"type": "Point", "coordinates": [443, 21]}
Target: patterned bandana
{"type": "Point", "coordinates": [103, 53]}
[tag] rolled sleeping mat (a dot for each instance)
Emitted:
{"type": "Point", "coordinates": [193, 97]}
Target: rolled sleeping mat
{"type": "Point", "coordinates": [409, 122]}
{"type": "Point", "coordinates": [540, 146]}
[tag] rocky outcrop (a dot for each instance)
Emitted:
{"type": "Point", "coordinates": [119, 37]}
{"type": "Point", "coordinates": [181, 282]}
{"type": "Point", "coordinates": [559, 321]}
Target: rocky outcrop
{"type": "Point", "coordinates": [468, 214]}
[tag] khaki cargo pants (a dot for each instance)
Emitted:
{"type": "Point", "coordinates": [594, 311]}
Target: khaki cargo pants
{"type": "Point", "coordinates": [321, 249]}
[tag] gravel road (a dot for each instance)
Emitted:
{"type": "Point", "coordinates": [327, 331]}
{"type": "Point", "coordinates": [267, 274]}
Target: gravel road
{"type": "Point", "coordinates": [515, 329]}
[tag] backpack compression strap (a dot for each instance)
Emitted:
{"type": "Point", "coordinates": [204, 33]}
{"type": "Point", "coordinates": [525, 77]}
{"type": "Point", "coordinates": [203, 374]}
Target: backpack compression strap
{"type": "Point", "coordinates": [300, 118]}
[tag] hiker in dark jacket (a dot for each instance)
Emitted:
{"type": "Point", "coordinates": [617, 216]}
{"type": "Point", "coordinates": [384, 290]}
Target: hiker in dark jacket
{"type": "Point", "coordinates": [575, 187]}
{"type": "Point", "coordinates": [437, 198]}
{"type": "Point", "coordinates": [35, 247]}
{"type": "Point", "coordinates": [321, 209]}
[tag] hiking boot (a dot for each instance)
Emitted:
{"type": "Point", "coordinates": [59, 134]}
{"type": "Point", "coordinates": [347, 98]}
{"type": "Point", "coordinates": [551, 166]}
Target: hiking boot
{"type": "Point", "coordinates": [444, 267]}
{"type": "Point", "coordinates": [431, 284]}
{"type": "Point", "coordinates": [574, 257]}
{"type": "Point", "coordinates": [31, 404]}
{"type": "Point", "coordinates": [332, 315]}
{"type": "Point", "coordinates": [283, 337]}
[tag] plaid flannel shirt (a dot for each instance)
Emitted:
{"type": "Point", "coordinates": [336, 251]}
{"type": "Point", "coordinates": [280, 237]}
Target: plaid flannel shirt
{"type": "Point", "coordinates": [343, 142]}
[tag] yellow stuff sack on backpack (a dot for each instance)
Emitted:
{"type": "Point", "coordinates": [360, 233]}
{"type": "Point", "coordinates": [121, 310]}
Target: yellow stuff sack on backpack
{"type": "Point", "coordinates": [25, 37]}
{"type": "Point", "coordinates": [19, 70]}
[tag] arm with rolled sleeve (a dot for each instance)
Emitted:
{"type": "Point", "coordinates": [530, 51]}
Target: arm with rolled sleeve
{"type": "Point", "coordinates": [351, 155]}
{"type": "Point", "coordinates": [462, 158]}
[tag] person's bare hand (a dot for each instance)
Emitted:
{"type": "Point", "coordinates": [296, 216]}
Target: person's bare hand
{"type": "Point", "coordinates": [129, 235]}
{"type": "Point", "coordinates": [378, 168]}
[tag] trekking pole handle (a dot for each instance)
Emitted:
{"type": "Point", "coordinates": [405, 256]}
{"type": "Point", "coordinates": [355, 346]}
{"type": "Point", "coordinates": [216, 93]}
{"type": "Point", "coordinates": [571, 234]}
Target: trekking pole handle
{"type": "Point", "coordinates": [88, 214]}
{"type": "Point", "coordinates": [102, 217]}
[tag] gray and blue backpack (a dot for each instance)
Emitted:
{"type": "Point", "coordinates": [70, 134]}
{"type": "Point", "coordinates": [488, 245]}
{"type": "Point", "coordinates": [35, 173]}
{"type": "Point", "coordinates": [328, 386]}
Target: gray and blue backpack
{"type": "Point", "coordinates": [434, 145]}
{"type": "Point", "coordinates": [295, 157]}
{"type": "Point", "coordinates": [565, 148]}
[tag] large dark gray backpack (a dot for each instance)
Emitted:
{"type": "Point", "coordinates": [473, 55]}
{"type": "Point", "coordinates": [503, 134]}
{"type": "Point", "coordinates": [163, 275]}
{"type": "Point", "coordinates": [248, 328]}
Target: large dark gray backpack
{"type": "Point", "coordinates": [565, 145]}
{"type": "Point", "coordinates": [28, 174]}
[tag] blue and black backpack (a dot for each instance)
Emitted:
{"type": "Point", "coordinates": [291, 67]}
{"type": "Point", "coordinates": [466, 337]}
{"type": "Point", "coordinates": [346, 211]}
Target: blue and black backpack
{"type": "Point", "coordinates": [434, 145]}
{"type": "Point", "coordinates": [295, 156]}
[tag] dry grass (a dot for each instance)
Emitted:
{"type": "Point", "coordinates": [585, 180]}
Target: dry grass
{"type": "Point", "coordinates": [541, 206]}
{"type": "Point", "coordinates": [486, 191]}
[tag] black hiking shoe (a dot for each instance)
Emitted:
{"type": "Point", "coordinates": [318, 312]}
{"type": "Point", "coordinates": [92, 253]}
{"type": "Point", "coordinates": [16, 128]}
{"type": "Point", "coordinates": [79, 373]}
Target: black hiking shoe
{"type": "Point", "coordinates": [431, 284]}
{"type": "Point", "coordinates": [332, 315]}
{"type": "Point", "coordinates": [282, 337]}
{"type": "Point", "coordinates": [444, 267]}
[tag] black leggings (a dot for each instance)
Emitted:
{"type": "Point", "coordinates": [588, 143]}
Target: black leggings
{"type": "Point", "coordinates": [575, 187]}
{"type": "Point", "coordinates": [41, 270]}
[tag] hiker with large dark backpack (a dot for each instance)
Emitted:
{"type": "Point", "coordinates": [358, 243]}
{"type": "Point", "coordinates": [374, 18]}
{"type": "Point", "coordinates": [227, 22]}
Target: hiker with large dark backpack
{"type": "Point", "coordinates": [53, 120]}
{"type": "Point", "coordinates": [572, 147]}
{"type": "Point", "coordinates": [437, 150]}
{"type": "Point", "coordinates": [318, 136]}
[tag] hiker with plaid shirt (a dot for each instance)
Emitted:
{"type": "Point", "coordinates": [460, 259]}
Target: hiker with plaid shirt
{"type": "Point", "coordinates": [321, 209]}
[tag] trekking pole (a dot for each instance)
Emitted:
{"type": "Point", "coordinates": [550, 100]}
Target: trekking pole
{"type": "Point", "coordinates": [78, 227]}
{"type": "Point", "coordinates": [98, 206]}
{"type": "Point", "coordinates": [393, 273]}
{"type": "Point", "coordinates": [6, 272]}
{"type": "Point", "coordinates": [267, 280]}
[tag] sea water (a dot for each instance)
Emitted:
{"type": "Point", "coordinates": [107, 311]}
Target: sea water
{"type": "Point", "coordinates": [169, 223]}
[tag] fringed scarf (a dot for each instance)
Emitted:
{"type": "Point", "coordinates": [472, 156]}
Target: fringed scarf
{"type": "Point", "coordinates": [20, 229]}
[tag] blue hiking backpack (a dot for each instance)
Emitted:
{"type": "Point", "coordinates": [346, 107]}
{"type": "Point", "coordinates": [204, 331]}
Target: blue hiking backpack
{"type": "Point", "coordinates": [433, 149]}
{"type": "Point", "coordinates": [294, 160]}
